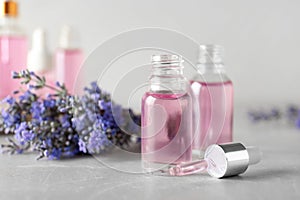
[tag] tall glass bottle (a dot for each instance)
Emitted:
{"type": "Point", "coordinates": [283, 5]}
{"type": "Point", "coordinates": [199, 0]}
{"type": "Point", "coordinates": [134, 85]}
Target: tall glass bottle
{"type": "Point", "coordinates": [212, 93]}
{"type": "Point", "coordinates": [166, 115]}
{"type": "Point", "coordinates": [13, 47]}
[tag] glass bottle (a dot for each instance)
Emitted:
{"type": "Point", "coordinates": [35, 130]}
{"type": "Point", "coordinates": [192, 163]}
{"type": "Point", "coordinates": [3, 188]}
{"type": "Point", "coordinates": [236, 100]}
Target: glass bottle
{"type": "Point", "coordinates": [166, 115]}
{"type": "Point", "coordinates": [68, 60]}
{"type": "Point", "coordinates": [212, 93]}
{"type": "Point", "coordinates": [13, 47]}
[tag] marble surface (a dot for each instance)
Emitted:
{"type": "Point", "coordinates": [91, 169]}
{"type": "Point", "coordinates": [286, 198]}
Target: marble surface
{"type": "Point", "coordinates": [276, 177]}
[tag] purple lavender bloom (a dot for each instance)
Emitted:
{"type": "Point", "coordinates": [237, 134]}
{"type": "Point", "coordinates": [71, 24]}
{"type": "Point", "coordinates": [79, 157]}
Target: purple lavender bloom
{"type": "Point", "coordinates": [55, 154]}
{"type": "Point", "coordinates": [95, 96]}
{"type": "Point", "coordinates": [23, 134]}
{"type": "Point", "coordinates": [37, 110]}
{"type": "Point", "coordinates": [30, 87]}
{"type": "Point", "coordinates": [92, 116]}
{"type": "Point", "coordinates": [97, 142]}
{"type": "Point", "coordinates": [292, 113]}
{"type": "Point", "coordinates": [26, 96]}
{"type": "Point", "coordinates": [8, 119]}
{"type": "Point", "coordinates": [82, 146]}
{"type": "Point", "coordinates": [10, 100]}
{"type": "Point", "coordinates": [65, 121]}
{"type": "Point", "coordinates": [28, 135]}
{"type": "Point", "coordinates": [49, 103]}
{"type": "Point", "coordinates": [104, 105]}
{"type": "Point", "coordinates": [255, 116]}
{"type": "Point", "coordinates": [15, 75]}
{"type": "Point", "coordinates": [79, 123]}
{"type": "Point", "coordinates": [57, 83]}
{"type": "Point", "coordinates": [95, 88]}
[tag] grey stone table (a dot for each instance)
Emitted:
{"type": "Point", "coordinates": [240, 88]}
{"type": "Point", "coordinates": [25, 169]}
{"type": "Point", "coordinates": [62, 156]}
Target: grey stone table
{"type": "Point", "coordinates": [276, 177]}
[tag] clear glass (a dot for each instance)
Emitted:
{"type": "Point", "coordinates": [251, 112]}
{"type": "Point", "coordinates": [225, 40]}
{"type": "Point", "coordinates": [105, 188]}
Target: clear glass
{"type": "Point", "coordinates": [166, 116]}
{"type": "Point", "coordinates": [13, 54]}
{"type": "Point", "coordinates": [67, 66]}
{"type": "Point", "coordinates": [212, 93]}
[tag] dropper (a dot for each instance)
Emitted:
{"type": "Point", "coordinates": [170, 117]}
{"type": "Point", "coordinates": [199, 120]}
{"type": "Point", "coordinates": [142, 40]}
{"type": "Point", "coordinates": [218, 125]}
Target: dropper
{"type": "Point", "coordinates": [220, 160]}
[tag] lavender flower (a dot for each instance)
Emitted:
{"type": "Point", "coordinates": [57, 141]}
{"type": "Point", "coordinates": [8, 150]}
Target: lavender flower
{"type": "Point", "coordinates": [98, 121]}
{"type": "Point", "coordinates": [273, 114]}
{"type": "Point", "coordinates": [23, 134]}
{"type": "Point", "coordinates": [291, 115]}
{"type": "Point", "coordinates": [63, 125]}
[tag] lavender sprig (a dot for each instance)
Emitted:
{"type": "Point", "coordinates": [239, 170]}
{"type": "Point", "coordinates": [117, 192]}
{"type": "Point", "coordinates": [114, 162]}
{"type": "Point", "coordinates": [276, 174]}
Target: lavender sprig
{"type": "Point", "coordinates": [291, 115]}
{"type": "Point", "coordinates": [63, 125]}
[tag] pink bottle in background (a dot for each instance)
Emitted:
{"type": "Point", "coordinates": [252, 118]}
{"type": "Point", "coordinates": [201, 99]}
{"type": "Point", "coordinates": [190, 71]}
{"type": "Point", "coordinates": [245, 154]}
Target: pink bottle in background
{"type": "Point", "coordinates": [166, 115]}
{"type": "Point", "coordinates": [13, 48]}
{"type": "Point", "coordinates": [39, 59]}
{"type": "Point", "coordinates": [68, 60]}
{"type": "Point", "coordinates": [212, 93]}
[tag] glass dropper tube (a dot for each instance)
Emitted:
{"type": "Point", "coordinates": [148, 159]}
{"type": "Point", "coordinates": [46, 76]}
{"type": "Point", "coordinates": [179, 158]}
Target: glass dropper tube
{"type": "Point", "coordinates": [188, 168]}
{"type": "Point", "coordinates": [220, 161]}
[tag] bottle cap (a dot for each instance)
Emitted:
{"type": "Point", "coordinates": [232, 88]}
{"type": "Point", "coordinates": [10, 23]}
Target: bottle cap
{"type": "Point", "coordinates": [39, 58]}
{"type": "Point", "coordinates": [230, 159]}
{"type": "Point", "coordinates": [68, 38]}
{"type": "Point", "coordinates": [9, 8]}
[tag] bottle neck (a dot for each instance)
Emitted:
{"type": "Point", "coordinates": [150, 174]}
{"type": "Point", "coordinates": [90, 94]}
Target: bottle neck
{"type": "Point", "coordinates": [210, 59]}
{"type": "Point", "coordinates": [168, 78]}
{"type": "Point", "coordinates": [9, 26]}
{"type": "Point", "coordinates": [211, 73]}
{"type": "Point", "coordinates": [211, 68]}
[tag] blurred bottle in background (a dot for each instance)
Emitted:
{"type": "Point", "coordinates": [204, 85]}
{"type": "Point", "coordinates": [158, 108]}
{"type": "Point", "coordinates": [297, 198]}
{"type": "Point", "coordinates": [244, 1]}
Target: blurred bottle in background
{"type": "Point", "coordinates": [13, 47]}
{"type": "Point", "coordinates": [68, 60]}
{"type": "Point", "coordinates": [212, 93]}
{"type": "Point", "coordinates": [39, 58]}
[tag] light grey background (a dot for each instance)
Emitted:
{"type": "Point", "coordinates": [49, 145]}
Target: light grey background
{"type": "Point", "coordinates": [261, 38]}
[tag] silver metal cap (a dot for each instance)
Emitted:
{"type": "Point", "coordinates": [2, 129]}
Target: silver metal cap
{"type": "Point", "coordinates": [226, 159]}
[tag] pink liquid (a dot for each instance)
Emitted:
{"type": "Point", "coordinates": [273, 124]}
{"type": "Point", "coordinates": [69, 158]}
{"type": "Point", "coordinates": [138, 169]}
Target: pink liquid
{"type": "Point", "coordinates": [68, 63]}
{"type": "Point", "coordinates": [13, 56]}
{"type": "Point", "coordinates": [214, 124]}
{"type": "Point", "coordinates": [166, 128]}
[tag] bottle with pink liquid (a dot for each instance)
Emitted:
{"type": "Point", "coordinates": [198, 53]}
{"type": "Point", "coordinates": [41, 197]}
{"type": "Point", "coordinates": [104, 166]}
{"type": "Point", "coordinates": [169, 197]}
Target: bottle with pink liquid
{"type": "Point", "coordinates": [212, 93]}
{"type": "Point", "coordinates": [166, 115]}
{"type": "Point", "coordinates": [13, 47]}
{"type": "Point", "coordinates": [68, 60]}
